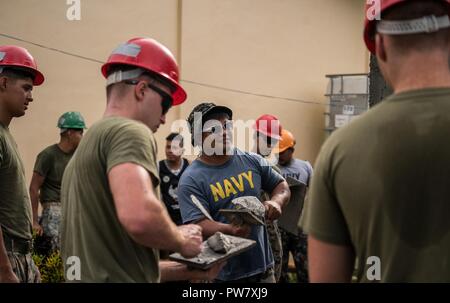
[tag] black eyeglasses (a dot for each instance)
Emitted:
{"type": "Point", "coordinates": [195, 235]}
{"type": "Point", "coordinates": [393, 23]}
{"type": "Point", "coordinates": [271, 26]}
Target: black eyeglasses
{"type": "Point", "coordinates": [218, 128]}
{"type": "Point", "coordinates": [167, 99]}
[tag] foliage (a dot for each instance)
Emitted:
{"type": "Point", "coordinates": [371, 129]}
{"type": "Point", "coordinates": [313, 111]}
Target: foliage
{"type": "Point", "coordinates": [49, 262]}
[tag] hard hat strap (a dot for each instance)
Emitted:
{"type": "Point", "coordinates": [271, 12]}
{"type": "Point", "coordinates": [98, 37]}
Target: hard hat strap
{"type": "Point", "coordinates": [427, 24]}
{"type": "Point", "coordinates": [120, 76]}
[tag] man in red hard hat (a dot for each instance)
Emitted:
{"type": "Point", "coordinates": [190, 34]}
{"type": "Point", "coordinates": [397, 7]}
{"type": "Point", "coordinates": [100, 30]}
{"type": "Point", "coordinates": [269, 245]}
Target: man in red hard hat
{"type": "Point", "coordinates": [113, 220]}
{"type": "Point", "coordinates": [380, 190]}
{"type": "Point", "coordinates": [267, 134]}
{"type": "Point", "coordinates": [18, 75]}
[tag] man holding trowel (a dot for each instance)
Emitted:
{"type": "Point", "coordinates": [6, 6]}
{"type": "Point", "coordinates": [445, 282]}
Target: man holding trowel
{"type": "Point", "coordinates": [113, 221]}
{"type": "Point", "coordinates": [221, 174]}
{"type": "Point", "coordinates": [266, 136]}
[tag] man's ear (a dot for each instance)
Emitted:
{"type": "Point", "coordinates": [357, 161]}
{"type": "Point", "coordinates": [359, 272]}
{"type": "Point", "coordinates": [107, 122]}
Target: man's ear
{"type": "Point", "coordinates": [3, 81]}
{"type": "Point", "coordinates": [380, 47]}
{"type": "Point", "coordinates": [139, 90]}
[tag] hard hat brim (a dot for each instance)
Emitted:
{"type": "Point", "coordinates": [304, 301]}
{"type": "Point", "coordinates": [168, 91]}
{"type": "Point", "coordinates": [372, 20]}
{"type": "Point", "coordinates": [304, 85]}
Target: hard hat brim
{"type": "Point", "coordinates": [38, 78]}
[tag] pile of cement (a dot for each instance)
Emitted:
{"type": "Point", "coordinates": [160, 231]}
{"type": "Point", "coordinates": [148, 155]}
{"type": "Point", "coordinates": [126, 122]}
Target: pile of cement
{"type": "Point", "coordinates": [220, 243]}
{"type": "Point", "coordinates": [227, 246]}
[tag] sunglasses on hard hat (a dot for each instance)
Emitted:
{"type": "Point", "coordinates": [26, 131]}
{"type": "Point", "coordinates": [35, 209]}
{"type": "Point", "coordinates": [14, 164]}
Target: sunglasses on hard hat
{"type": "Point", "coordinates": [167, 100]}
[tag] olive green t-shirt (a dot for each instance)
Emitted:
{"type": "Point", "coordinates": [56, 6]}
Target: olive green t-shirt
{"type": "Point", "coordinates": [15, 205]}
{"type": "Point", "coordinates": [382, 186]}
{"type": "Point", "coordinates": [90, 229]}
{"type": "Point", "coordinates": [50, 164]}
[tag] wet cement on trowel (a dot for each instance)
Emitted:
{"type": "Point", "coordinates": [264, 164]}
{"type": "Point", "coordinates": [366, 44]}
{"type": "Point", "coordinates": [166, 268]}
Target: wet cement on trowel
{"type": "Point", "coordinates": [220, 242]}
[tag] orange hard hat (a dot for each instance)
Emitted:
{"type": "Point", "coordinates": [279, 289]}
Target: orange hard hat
{"type": "Point", "coordinates": [268, 125]}
{"type": "Point", "coordinates": [370, 19]}
{"type": "Point", "coordinates": [16, 56]}
{"type": "Point", "coordinates": [149, 55]}
{"type": "Point", "coordinates": [287, 141]}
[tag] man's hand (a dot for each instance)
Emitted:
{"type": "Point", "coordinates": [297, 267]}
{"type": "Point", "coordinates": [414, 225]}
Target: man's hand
{"type": "Point", "coordinates": [8, 276]}
{"type": "Point", "coordinates": [242, 230]}
{"type": "Point", "coordinates": [192, 245]}
{"type": "Point", "coordinates": [273, 210]}
{"type": "Point", "coordinates": [38, 229]}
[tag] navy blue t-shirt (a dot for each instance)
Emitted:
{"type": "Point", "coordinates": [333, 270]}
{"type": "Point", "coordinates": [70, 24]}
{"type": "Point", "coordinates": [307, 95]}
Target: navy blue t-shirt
{"type": "Point", "coordinates": [245, 174]}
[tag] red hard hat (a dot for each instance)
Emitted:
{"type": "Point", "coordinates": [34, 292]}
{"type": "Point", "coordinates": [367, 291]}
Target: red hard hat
{"type": "Point", "coordinates": [150, 55]}
{"type": "Point", "coordinates": [11, 55]}
{"type": "Point", "coordinates": [269, 125]}
{"type": "Point", "coordinates": [370, 21]}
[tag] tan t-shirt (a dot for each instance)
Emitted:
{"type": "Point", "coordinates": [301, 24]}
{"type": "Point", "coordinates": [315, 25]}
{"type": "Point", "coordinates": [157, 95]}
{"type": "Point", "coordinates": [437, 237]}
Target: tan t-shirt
{"type": "Point", "coordinates": [90, 228]}
{"type": "Point", "coordinates": [15, 205]}
{"type": "Point", "coordinates": [382, 186]}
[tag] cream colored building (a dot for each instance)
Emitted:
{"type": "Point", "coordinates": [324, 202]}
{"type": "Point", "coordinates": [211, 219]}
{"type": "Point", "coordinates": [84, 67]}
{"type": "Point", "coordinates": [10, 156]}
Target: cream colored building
{"type": "Point", "coordinates": [255, 56]}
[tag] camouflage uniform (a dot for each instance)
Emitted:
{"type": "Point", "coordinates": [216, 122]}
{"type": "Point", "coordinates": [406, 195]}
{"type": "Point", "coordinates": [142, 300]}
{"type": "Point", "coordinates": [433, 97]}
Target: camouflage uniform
{"type": "Point", "coordinates": [277, 249]}
{"type": "Point", "coordinates": [24, 268]}
{"type": "Point", "coordinates": [274, 237]}
{"type": "Point", "coordinates": [297, 245]}
{"type": "Point", "coordinates": [50, 222]}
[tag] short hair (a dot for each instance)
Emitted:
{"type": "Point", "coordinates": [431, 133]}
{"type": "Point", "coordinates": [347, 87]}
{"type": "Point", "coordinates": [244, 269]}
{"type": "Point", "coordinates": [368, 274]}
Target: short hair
{"type": "Point", "coordinates": [408, 10]}
{"type": "Point", "coordinates": [175, 136]}
{"type": "Point", "coordinates": [17, 73]}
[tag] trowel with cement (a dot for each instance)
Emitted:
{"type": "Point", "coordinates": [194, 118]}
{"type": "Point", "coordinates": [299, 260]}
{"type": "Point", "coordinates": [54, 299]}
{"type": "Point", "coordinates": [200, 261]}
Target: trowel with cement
{"type": "Point", "coordinates": [218, 248]}
{"type": "Point", "coordinates": [248, 210]}
{"type": "Point", "coordinates": [292, 212]}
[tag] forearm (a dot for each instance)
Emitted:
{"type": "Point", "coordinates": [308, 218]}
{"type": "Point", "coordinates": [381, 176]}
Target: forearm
{"type": "Point", "coordinates": [174, 271]}
{"type": "Point", "coordinates": [154, 228]}
{"type": "Point", "coordinates": [209, 228]}
{"type": "Point", "coordinates": [281, 194]}
{"type": "Point", "coordinates": [5, 265]}
{"type": "Point", "coordinates": [34, 197]}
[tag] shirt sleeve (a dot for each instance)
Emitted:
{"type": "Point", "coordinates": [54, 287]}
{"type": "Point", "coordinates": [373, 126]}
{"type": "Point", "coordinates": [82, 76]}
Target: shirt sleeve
{"type": "Point", "coordinates": [310, 173]}
{"type": "Point", "coordinates": [189, 211]}
{"type": "Point", "coordinates": [42, 164]}
{"type": "Point", "coordinates": [133, 143]}
{"type": "Point", "coordinates": [323, 216]}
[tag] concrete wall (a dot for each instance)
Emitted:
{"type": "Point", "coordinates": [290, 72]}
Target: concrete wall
{"type": "Point", "coordinates": [278, 48]}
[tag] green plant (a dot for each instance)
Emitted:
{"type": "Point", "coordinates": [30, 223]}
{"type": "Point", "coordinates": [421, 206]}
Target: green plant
{"type": "Point", "coordinates": [48, 261]}
{"type": "Point", "coordinates": [50, 267]}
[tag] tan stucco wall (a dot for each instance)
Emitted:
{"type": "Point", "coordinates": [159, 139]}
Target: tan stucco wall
{"type": "Point", "coordinates": [281, 48]}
